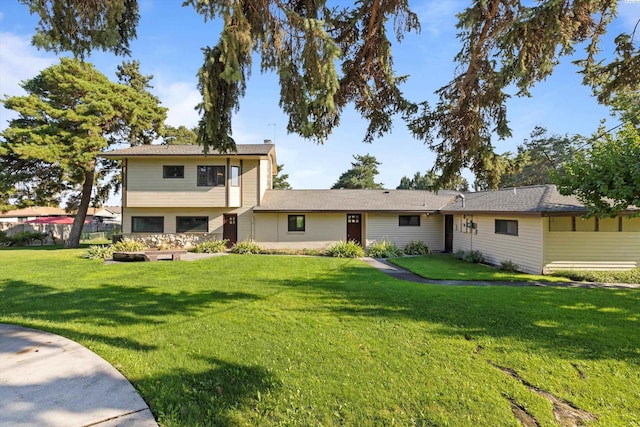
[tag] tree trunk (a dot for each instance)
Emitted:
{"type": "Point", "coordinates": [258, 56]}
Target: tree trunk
{"type": "Point", "coordinates": [78, 223]}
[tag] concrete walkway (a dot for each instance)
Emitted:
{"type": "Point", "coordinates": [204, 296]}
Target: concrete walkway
{"type": "Point", "coordinates": [402, 274]}
{"type": "Point", "coordinates": [48, 380]}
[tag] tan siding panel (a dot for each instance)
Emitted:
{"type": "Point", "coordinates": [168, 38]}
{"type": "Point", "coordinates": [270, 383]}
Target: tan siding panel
{"type": "Point", "coordinates": [586, 225]}
{"type": "Point", "coordinates": [591, 251]}
{"type": "Point", "coordinates": [525, 249]}
{"type": "Point", "coordinates": [250, 183]}
{"type": "Point", "coordinates": [560, 223]}
{"type": "Point", "coordinates": [321, 230]}
{"type": "Point", "coordinates": [608, 224]}
{"type": "Point", "coordinates": [385, 227]}
{"type": "Point", "coordinates": [631, 224]}
{"type": "Point", "coordinates": [147, 187]}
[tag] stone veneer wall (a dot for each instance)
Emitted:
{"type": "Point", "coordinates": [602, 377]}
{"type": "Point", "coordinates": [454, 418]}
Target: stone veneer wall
{"type": "Point", "coordinates": [172, 240]}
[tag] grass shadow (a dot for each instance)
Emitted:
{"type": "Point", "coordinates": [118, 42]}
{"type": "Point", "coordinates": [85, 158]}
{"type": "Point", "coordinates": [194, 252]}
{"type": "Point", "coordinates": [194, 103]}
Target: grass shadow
{"type": "Point", "coordinates": [109, 306]}
{"type": "Point", "coordinates": [571, 322]}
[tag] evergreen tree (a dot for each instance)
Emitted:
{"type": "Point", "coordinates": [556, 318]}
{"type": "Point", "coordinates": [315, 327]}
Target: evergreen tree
{"type": "Point", "coordinates": [361, 175]}
{"type": "Point", "coordinates": [280, 181]}
{"type": "Point", "coordinates": [537, 158]}
{"type": "Point", "coordinates": [181, 135]}
{"type": "Point", "coordinates": [69, 116]}
{"type": "Point", "coordinates": [427, 182]}
{"type": "Point", "coordinates": [507, 44]}
{"type": "Point", "coordinates": [328, 57]}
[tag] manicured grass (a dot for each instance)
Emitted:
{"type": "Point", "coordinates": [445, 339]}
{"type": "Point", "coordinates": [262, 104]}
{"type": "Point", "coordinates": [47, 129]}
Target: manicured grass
{"type": "Point", "coordinates": [276, 340]}
{"type": "Point", "coordinates": [447, 267]}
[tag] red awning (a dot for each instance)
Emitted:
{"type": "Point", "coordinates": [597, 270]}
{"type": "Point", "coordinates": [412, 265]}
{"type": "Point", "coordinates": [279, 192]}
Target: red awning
{"type": "Point", "coordinates": [53, 220]}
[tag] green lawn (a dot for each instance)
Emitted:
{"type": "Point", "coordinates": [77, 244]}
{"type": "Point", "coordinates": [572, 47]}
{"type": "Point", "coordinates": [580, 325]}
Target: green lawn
{"type": "Point", "coordinates": [276, 340]}
{"type": "Point", "coordinates": [447, 267]}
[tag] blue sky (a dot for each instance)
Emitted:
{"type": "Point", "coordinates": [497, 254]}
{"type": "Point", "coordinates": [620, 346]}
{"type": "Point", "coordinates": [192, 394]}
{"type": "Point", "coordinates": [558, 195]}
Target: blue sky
{"type": "Point", "coordinates": [170, 38]}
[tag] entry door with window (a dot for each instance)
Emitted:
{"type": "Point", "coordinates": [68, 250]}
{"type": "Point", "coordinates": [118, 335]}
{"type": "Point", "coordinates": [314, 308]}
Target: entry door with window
{"type": "Point", "coordinates": [230, 228]}
{"type": "Point", "coordinates": [354, 228]}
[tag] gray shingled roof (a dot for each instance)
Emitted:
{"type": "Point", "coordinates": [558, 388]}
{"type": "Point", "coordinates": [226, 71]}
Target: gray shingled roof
{"type": "Point", "coordinates": [533, 199]}
{"type": "Point", "coordinates": [187, 150]}
{"type": "Point", "coordinates": [353, 200]}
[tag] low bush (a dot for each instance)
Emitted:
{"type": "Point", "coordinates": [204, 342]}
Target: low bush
{"type": "Point", "coordinates": [128, 245]}
{"type": "Point", "coordinates": [628, 276]}
{"type": "Point", "coordinates": [509, 266]}
{"type": "Point", "coordinates": [248, 247]}
{"type": "Point", "coordinates": [98, 252]}
{"type": "Point", "coordinates": [383, 249]}
{"type": "Point", "coordinates": [344, 249]}
{"type": "Point", "coordinates": [24, 238]}
{"type": "Point", "coordinates": [211, 247]}
{"type": "Point", "coordinates": [475, 257]}
{"type": "Point", "coordinates": [416, 248]}
{"type": "Point", "coordinates": [3, 238]}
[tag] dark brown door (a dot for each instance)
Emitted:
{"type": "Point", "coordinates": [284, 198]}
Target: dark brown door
{"type": "Point", "coordinates": [354, 228]}
{"type": "Point", "coordinates": [448, 233]}
{"type": "Point", "coordinates": [230, 228]}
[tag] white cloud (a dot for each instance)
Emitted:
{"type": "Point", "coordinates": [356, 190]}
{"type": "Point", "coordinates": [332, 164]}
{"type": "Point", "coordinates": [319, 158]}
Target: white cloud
{"type": "Point", "coordinates": [181, 99]}
{"type": "Point", "coordinates": [19, 61]}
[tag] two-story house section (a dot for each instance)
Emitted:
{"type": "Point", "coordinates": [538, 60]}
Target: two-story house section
{"type": "Point", "coordinates": [179, 189]}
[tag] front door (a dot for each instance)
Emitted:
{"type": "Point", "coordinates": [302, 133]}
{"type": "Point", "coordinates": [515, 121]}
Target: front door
{"type": "Point", "coordinates": [448, 233]}
{"type": "Point", "coordinates": [354, 228]}
{"type": "Point", "coordinates": [230, 228]}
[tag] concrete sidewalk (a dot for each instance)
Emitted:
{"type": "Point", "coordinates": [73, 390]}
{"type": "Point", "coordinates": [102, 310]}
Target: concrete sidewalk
{"type": "Point", "coordinates": [402, 274]}
{"type": "Point", "coordinates": [48, 380]}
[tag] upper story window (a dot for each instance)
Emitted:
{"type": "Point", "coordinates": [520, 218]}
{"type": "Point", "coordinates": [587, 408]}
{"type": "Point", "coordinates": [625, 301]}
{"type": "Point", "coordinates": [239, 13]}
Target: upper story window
{"type": "Point", "coordinates": [235, 176]}
{"type": "Point", "coordinates": [172, 171]}
{"type": "Point", "coordinates": [409, 220]}
{"type": "Point", "coordinates": [507, 226]}
{"type": "Point", "coordinates": [211, 176]}
{"type": "Point", "coordinates": [296, 223]}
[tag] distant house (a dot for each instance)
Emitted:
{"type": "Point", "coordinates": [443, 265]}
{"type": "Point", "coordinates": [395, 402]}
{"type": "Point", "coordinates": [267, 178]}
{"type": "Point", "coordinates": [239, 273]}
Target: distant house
{"type": "Point", "coordinates": [31, 213]}
{"type": "Point", "coordinates": [182, 193]}
{"type": "Point", "coordinates": [106, 214]}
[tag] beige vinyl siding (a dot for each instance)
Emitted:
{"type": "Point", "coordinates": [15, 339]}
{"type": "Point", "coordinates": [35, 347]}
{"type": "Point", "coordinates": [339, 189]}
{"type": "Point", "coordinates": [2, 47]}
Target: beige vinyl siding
{"type": "Point", "coordinates": [525, 249]}
{"type": "Point", "coordinates": [321, 230]}
{"type": "Point", "coordinates": [249, 183]}
{"type": "Point", "coordinates": [601, 250]}
{"type": "Point", "coordinates": [147, 187]}
{"type": "Point", "coordinates": [245, 224]}
{"type": "Point", "coordinates": [384, 226]}
{"type": "Point", "coordinates": [631, 225]}
{"type": "Point", "coordinates": [170, 214]}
